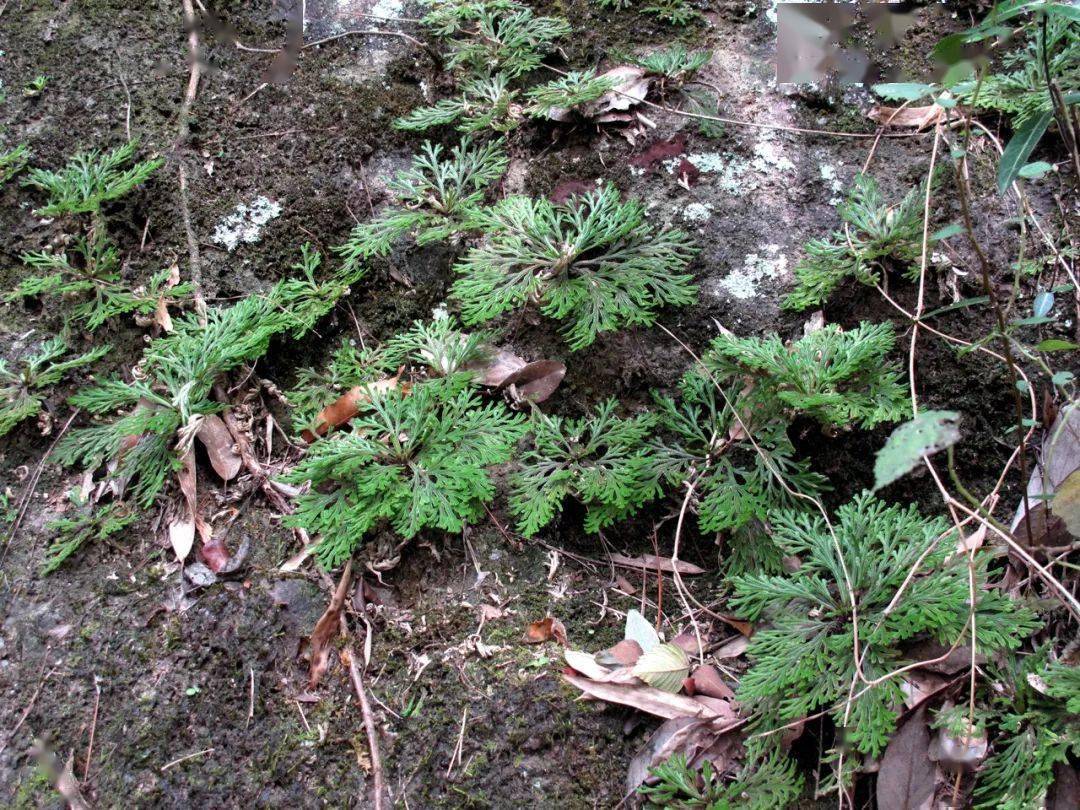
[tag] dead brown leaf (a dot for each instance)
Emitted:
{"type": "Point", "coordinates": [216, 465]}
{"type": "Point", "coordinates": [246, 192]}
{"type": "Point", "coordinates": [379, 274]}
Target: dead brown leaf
{"type": "Point", "coordinates": [500, 365]}
{"type": "Point", "coordinates": [651, 562]}
{"type": "Point", "coordinates": [918, 117]}
{"type": "Point", "coordinates": [1064, 794]}
{"type": "Point", "coordinates": [707, 681]}
{"type": "Point", "coordinates": [732, 649]}
{"type": "Point", "coordinates": [348, 405]}
{"type": "Point", "coordinates": [680, 735]}
{"type": "Point", "coordinates": [220, 447]}
{"type": "Point", "coordinates": [534, 382]}
{"type": "Point", "coordinates": [645, 698]}
{"type": "Point", "coordinates": [182, 528]}
{"type": "Point", "coordinates": [544, 630]}
{"type": "Point", "coordinates": [906, 778]}
{"type": "Point", "coordinates": [624, 654]}
{"type": "Point", "coordinates": [326, 628]}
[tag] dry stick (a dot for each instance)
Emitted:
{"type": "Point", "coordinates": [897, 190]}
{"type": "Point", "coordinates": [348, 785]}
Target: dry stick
{"type": "Point", "coordinates": [991, 293]}
{"type": "Point", "coordinates": [185, 758]}
{"type": "Point", "coordinates": [369, 727]}
{"type": "Point", "coordinates": [24, 501]}
{"type": "Point", "coordinates": [922, 270]}
{"type": "Point", "coordinates": [93, 728]}
{"type": "Point", "coordinates": [741, 123]}
{"type": "Point", "coordinates": [181, 142]}
{"type": "Point", "coordinates": [33, 699]}
{"type": "Point", "coordinates": [1061, 112]}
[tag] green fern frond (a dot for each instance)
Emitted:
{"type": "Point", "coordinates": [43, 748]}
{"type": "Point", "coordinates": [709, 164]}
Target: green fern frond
{"type": "Point", "coordinates": [439, 346]}
{"type": "Point", "coordinates": [484, 103]}
{"type": "Point", "coordinates": [601, 460]}
{"type": "Point", "coordinates": [563, 94]}
{"type": "Point", "coordinates": [675, 12]}
{"type": "Point", "coordinates": [90, 179]}
{"type": "Point", "coordinates": [72, 533]}
{"type": "Point", "coordinates": [12, 162]}
{"type": "Point", "coordinates": [418, 460]}
{"type": "Point", "coordinates": [675, 65]}
{"type": "Point", "coordinates": [840, 378]}
{"type": "Point", "coordinates": [434, 199]}
{"type": "Point", "coordinates": [511, 42]}
{"type": "Point", "coordinates": [804, 661]}
{"type": "Point", "coordinates": [874, 232]}
{"type": "Point", "coordinates": [593, 261]}
{"type": "Point", "coordinates": [22, 392]}
{"type": "Point", "coordinates": [769, 782]}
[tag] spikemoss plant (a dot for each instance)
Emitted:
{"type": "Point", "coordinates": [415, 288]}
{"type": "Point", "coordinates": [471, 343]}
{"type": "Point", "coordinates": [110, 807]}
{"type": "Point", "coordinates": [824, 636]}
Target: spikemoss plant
{"type": "Point", "coordinates": [23, 390]}
{"type": "Point", "coordinates": [593, 261]}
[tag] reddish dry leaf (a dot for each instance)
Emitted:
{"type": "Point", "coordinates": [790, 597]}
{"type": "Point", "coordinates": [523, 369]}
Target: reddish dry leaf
{"type": "Point", "coordinates": [348, 406]}
{"type": "Point", "coordinates": [707, 681]}
{"type": "Point", "coordinates": [645, 698]}
{"type": "Point", "coordinates": [918, 117]}
{"type": "Point", "coordinates": [182, 528]}
{"type": "Point", "coordinates": [326, 628]}
{"type": "Point", "coordinates": [651, 562]}
{"type": "Point", "coordinates": [624, 654]}
{"type": "Point", "coordinates": [498, 367]}
{"type": "Point", "coordinates": [623, 584]}
{"type": "Point", "coordinates": [535, 382]}
{"type": "Point", "coordinates": [570, 188]}
{"type": "Point", "coordinates": [721, 708]}
{"type": "Point", "coordinates": [220, 447]}
{"type": "Point", "coordinates": [734, 648]}
{"type": "Point", "coordinates": [687, 642]}
{"type": "Point", "coordinates": [906, 778]}
{"type": "Point", "coordinates": [688, 173]}
{"type": "Point", "coordinates": [545, 630]}
{"type": "Point", "coordinates": [215, 555]}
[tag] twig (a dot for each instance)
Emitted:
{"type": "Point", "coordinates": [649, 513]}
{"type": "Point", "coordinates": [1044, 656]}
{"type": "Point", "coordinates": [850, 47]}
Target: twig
{"type": "Point", "coordinates": [251, 698]}
{"type": "Point", "coordinates": [33, 700]}
{"type": "Point", "coordinates": [186, 758]}
{"type": "Point", "coordinates": [93, 728]}
{"type": "Point", "coordinates": [456, 755]}
{"type": "Point", "coordinates": [919, 305]}
{"type": "Point", "coordinates": [24, 501]}
{"type": "Point", "coordinates": [194, 258]}
{"type": "Point", "coordinates": [369, 727]}
{"type": "Point", "coordinates": [127, 131]}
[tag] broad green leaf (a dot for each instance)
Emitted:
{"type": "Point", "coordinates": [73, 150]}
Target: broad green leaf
{"type": "Point", "coordinates": [1056, 345]}
{"type": "Point", "coordinates": [1030, 171]}
{"type": "Point", "coordinates": [1044, 302]}
{"type": "Point", "coordinates": [924, 435]}
{"type": "Point", "coordinates": [638, 629]}
{"type": "Point", "coordinates": [947, 231]}
{"type": "Point", "coordinates": [1020, 147]}
{"type": "Point", "coordinates": [664, 668]}
{"type": "Point", "coordinates": [1062, 378]}
{"type": "Point", "coordinates": [1066, 503]}
{"type": "Point", "coordinates": [1068, 11]}
{"type": "Point", "coordinates": [905, 91]}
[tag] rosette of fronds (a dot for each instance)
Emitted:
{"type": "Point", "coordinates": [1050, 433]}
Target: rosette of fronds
{"type": "Point", "coordinates": [841, 378]}
{"type": "Point", "coordinates": [1019, 90]}
{"type": "Point", "coordinates": [601, 460]}
{"type": "Point", "coordinates": [674, 65]}
{"type": "Point", "coordinates": [447, 17]}
{"type": "Point", "coordinates": [803, 657]}
{"type": "Point", "coordinates": [767, 784]}
{"type": "Point", "coordinates": [675, 12]}
{"type": "Point", "coordinates": [315, 388]}
{"type": "Point", "coordinates": [90, 274]}
{"type": "Point", "coordinates": [12, 162]}
{"type": "Point", "coordinates": [483, 104]}
{"type": "Point", "coordinates": [592, 261]}
{"type": "Point", "coordinates": [558, 97]}
{"type": "Point", "coordinates": [23, 389]}
{"type": "Point", "coordinates": [875, 234]}
{"type": "Point", "coordinates": [512, 41]}
{"type": "Point", "coordinates": [704, 446]}
{"type": "Point", "coordinates": [90, 179]}
{"type": "Point", "coordinates": [439, 347]}
{"type": "Point", "coordinates": [416, 459]}
{"type": "Point", "coordinates": [1036, 716]}
{"type": "Point", "coordinates": [174, 382]}
{"type": "Point", "coordinates": [438, 196]}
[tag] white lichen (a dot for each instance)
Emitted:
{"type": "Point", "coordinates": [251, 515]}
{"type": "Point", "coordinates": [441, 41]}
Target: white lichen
{"type": "Point", "coordinates": [245, 224]}
{"type": "Point", "coordinates": [697, 213]}
{"type": "Point", "coordinates": [832, 182]}
{"type": "Point", "coordinates": [743, 283]}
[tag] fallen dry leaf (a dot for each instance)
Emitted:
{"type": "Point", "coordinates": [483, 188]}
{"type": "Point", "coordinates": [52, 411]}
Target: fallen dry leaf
{"type": "Point", "coordinates": [1064, 794]}
{"type": "Point", "coordinates": [500, 365]}
{"type": "Point", "coordinates": [645, 698]}
{"type": "Point", "coordinates": [348, 406]}
{"type": "Point", "coordinates": [918, 117]}
{"type": "Point", "coordinates": [665, 667]}
{"type": "Point", "coordinates": [585, 664]}
{"type": "Point", "coordinates": [651, 562]}
{"type": "Point", "coordinates": [707, 681]}
{"type": "Point", "coordinates": [623, 584]}
{"type": "Point", "coordinates": [328, 626]}
{"type": "Point", "coordinates": [1060, 457]}
{"type": "Point", "coordinates": [545, 630]}
{"type": "Point", "coordinates": [681, 735]}
{"type": "Point", "coordinates": [624, 654]}
{"type": "Point", "coordinates": [182, 529]}
{"type": "Point", "coordinates": [534, 382]}
{"type": "Point", "coordinates": [630, 86]}
{"type": "Point", "coordinates": [659, 151]}
{"type": "Point", "coordinates": [732, 649]}
{"type": "Point", "coordinates": [220, 447]}
{"type": "Point", "coordinates": [906, 778]}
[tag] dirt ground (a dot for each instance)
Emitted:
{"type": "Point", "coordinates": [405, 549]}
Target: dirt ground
{"type": "Point", "coordinates": [108, 650]}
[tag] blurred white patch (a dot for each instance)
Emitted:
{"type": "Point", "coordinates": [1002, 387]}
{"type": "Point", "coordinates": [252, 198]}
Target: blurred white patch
{"type": "Point", "coordinates": [245, 224]}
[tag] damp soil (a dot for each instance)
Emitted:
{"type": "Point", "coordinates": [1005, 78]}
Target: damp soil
{"type": "Point", "coordinates": [205, 703]}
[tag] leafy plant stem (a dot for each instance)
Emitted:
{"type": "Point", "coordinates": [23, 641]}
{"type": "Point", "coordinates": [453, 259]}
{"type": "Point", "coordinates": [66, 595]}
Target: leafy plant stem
{"type": "Point", "coordinates": [999, 315]}
{"type": "Point", "coordinates": [1061, 112]}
